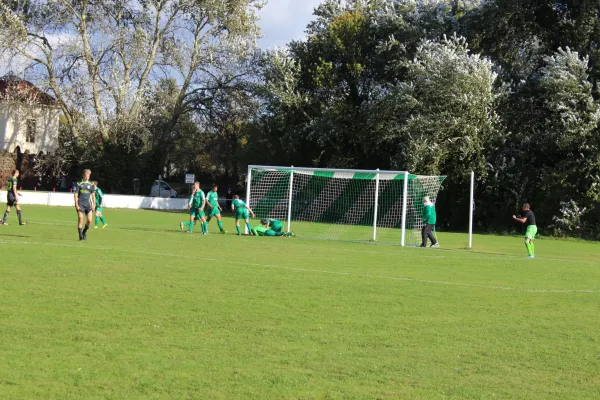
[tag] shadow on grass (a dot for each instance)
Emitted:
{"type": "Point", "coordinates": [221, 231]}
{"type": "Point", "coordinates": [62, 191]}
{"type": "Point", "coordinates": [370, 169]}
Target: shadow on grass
{"type": "Point", "coordinates": [19, 236]}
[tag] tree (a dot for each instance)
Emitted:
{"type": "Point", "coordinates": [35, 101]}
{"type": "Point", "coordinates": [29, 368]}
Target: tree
{"type": "Point", "coordinates": [107, 52]}
{"type": "Point", "coordinates": [443, 115]}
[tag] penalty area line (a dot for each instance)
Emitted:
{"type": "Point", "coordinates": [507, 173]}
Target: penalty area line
{"type": "Point", "coordinates": [281, 267]}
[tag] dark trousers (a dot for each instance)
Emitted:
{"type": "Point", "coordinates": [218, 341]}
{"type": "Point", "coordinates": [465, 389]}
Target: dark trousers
{"type": "Point", "coordinates": [426, 233]}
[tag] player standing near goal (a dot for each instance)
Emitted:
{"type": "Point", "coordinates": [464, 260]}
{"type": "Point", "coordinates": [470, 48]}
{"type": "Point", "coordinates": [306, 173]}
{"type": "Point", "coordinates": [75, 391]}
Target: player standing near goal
{"type": "Point", "coordinates": [213, 202]}
{"type": "Point", "coordinates": [99, 205]}
{"type": "Point", "coordinates": [429, 220]}
{"type": "Point", "coordinates": [196, 206]}
{"type": "Point", "coordinates": [85, 202]}
{"type": "Point", "coordinates": [241, 210]}
{"type": "Point", "coordinates": [12, 198]}
{"type": "Point", "coordinates": [528, 218]}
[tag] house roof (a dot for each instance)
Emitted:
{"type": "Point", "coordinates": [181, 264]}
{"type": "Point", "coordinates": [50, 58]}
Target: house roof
{"type": "Point", "coordinates": [13, 88]}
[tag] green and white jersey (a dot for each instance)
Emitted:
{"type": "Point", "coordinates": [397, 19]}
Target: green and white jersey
{"type": "Point", "coordinates": [237, 204]}
{"type": "Point", "coordinates": [197, 199]}
{"type": "Point", "coordinates": [99, 197]}
{"type": "Point", "coordinates": [213, 199]}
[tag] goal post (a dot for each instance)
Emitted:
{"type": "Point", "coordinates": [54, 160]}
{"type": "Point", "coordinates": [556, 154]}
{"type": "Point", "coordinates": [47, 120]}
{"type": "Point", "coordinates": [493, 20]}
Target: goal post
{"type": "Point", "coordinates": [342, 204]}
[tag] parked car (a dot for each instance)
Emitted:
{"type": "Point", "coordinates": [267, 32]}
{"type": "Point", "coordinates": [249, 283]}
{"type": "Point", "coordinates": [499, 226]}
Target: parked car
{"type": "Point", "coordinates": [162, 189]}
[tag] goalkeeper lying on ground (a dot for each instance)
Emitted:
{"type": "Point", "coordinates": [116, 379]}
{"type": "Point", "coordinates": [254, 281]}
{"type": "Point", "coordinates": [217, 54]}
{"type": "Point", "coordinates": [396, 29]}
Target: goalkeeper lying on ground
{"type": "Point", "coordinates": [270, 227]}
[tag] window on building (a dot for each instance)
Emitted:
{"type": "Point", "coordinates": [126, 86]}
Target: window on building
{"type": "Point", "coordinates": [31, 130]}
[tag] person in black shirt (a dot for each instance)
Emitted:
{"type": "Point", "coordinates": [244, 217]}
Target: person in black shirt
{"type": "Point", "coordinates": [528, 218]}
{"type": "Point", "coordinates": [85, 202]}
{"type": "Point", "coordinates": [12, 198]}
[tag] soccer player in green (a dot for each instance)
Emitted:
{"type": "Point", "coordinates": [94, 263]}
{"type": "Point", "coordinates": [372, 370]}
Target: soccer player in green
{"type": "Point", "coordinates": [271, 227]}
{"type": "Point", "coordinates": [528, 218]}
{"type": "Point", "coordinates": [274, 224]}
{"type": "Point", "coordinates": [85, 202]}
{"type": "Point", "coordinates": [241, 212]}
{"type": "Point", "coordinates": [215, 209]}
{"type": "Point", "coordinates": [12, 198]}
{"type": "Point", "coordinates": [196, 206]}
{"type": "Point", "coordinates": [429, 219]}
{"type": "Point", "coordinates": [99, 205]}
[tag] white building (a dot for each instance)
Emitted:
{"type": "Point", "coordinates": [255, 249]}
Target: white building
{"type": "Point", "coordinates": [28, 118]}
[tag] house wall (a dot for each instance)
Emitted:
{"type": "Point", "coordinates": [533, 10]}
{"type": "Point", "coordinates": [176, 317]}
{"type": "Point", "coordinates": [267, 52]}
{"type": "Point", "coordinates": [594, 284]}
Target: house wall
{"type": "Point", "coordinates": [13, 127]}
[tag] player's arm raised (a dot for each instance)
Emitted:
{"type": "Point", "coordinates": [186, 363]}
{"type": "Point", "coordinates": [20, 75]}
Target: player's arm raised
{"type": "Point", "coordinates": [520, 219]}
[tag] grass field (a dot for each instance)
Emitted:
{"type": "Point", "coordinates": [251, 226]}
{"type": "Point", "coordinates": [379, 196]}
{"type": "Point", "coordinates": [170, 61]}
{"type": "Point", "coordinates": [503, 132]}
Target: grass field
{"type": "Point", "coordinates": [142, 311]}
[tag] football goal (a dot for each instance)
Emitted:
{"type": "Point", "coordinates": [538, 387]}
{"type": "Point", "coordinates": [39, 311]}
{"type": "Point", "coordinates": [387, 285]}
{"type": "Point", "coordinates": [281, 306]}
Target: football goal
{"type": "Point", "coordinates": [339, 204]}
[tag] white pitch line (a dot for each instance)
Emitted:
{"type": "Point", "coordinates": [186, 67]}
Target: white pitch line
{"type": "Point", "coordinates": [351, 274]}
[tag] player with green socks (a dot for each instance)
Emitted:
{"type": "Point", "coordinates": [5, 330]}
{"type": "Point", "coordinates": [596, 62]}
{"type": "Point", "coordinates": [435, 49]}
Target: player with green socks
{"type": "Point", "coordinates": [213, 201]}
{"type": "Point", "coordinates": [274, 224]}
{"type": "Point", "coordinates": [528, 218]}
{"type": "Point", "coordinates": [99, 206]}
{"type": "Point", "coordinates": [241, 211]}
{"type": "Point", "coordinates": [270, 227]}
{"type": "Point", "coordinates": [196, 207]}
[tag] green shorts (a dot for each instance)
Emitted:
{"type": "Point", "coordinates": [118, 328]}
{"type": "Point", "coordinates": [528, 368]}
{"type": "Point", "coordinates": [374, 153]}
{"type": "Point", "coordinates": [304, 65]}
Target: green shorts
{"type": "Point", "coordinates": [99, 210]}
{"type": "Point", "coordinates": [242, 213]}
{"type": "Point", "coordinates": [531, 232]}
{"type": "Point", "coordinates": [197, 213]}
{"type": "Point", "coordinates": [277, 226]}
{"type": "Point", "coordinates": [214, 212]}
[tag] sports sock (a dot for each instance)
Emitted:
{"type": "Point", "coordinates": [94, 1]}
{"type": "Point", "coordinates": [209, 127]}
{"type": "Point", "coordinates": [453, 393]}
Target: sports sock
{"type": "Point", "coordinates": [19, 216]}
{"type": "Point", "coordinates": [532, 247]}
{"type": "Point", "coordinates": [205, 225]}
{"type": "Point", "coordinates": [85, 229]}
{"type": "Point", "coordinates": [220, 225]}
{"type": "Point", "coordinates": [5, 216]}
{"type": "Point", "coordinates": [237, 228]}
{"type": "Point", "coordinates": [97, 218]}
{"type": "Point", "coordinates": [249, 227]}
{"type": "Point", "coordinates": [80, 234]}
{"type": "Point", "coordinates": [102, 220]}
{"type": "Point", "coordinates": [528, 245]}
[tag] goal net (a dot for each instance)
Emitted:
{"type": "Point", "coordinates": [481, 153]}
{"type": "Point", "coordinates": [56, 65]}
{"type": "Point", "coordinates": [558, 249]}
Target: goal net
{"type": "Point", "coordinates": [335, 204]}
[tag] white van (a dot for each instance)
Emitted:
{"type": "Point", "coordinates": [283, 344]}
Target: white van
{"type": "Point", "coordinates": [162, 189]}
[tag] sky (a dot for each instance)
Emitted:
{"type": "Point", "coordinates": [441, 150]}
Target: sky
{"type": "Point", "coordinates": [285, 20]}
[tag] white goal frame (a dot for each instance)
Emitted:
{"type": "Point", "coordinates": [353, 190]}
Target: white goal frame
{"type": "Point", "coordinates": [377, 173]}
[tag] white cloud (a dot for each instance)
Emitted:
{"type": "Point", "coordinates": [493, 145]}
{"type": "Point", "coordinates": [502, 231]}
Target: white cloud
{"type": "Point", "coordinates": [285, 20]}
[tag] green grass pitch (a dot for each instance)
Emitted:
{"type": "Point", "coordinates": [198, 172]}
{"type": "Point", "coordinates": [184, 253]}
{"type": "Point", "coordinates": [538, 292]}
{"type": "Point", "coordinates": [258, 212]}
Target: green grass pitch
{"type": "Point", "coordinates": [143, 311]}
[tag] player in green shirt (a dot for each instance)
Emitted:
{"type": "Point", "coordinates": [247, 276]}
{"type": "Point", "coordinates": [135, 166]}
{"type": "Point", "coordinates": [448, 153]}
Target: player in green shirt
{"type": "Point", "coordinates": [196, 206]}
{"type": "Point", "coordinates": [429, 220]}
{"type": "Point", "coordinates": [241, 211]}
{"type": "Point", "coordinates": [271, 227]}
{"type": "Point", "coordinates": [99, 206]}
{"type": "Point", "coordinates": [12, 198]}
{"type": "Point", "coordinates": [274, 224]}
{"type": "Point", "coordinates": [215, 209]}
